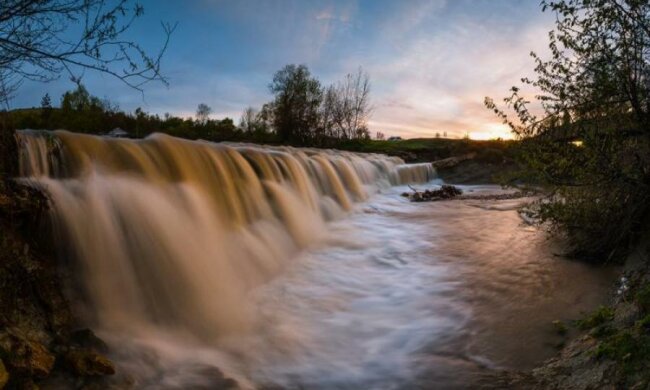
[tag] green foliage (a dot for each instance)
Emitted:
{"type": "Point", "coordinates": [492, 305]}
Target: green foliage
{"type": "Point", "coordinates": [630, 350]}
{"type": "Point", "coordinates": [80, 100]}
{"type": "Point", "coordinates": [298, 114]}
{"type": "Point", "coordinates": [304, 113]}
{"type": "Point", "coordinates": [82, 112]}
{"type": "Point", "coordinates": [598, 318]}
{"type": "Point", "coordinates": [626, 345]}
{"type": "Point", "coordinates": [619, 346]}
{"type": "Point", "coordinates": [643, 298]}
{"type": "Point", "coordinates": [431, 149]}
{"type": "Point", "coordinates": [644, 323]}
{"type": "Point", "coordinates": [298, 96]}
{"type": "Point", "coordinates": [591, 148]}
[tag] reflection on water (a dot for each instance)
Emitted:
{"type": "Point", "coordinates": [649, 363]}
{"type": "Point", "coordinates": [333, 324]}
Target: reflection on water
{"type": "Point", "coordinates": [402, 295]}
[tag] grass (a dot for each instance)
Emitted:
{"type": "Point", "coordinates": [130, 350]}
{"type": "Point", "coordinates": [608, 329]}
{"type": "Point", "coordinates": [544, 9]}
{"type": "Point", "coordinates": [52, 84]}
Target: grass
{"type": "Point", "coordinates": [430, 149]}
{"type": "Point", "coordinates": [628, 346]}
{"type": "Point", "coordinates": [599, 317]}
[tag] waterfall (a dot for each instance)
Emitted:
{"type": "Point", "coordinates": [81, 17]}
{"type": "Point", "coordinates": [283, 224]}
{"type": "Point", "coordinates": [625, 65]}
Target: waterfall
{"type": "Point", "coordinates": [172, 233]}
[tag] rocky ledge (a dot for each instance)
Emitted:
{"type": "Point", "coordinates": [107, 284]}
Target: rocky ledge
{"type": "Point", "coordinates": [39, 336]}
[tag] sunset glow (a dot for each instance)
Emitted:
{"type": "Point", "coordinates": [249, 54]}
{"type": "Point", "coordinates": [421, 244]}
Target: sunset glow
{"type": "Point", "coordinates": [431, 62]}
{"type": "Point", "coordinates": [492, 131]}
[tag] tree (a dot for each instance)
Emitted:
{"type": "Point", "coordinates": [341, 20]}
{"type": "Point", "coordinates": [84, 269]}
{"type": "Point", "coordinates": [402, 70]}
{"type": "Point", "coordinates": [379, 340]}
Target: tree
{"type": "Point", "coordinates": [248, 120]}
{"type": "Point", "coordinates": [80, 99]}
{"type": "Point", "coordinates": [594, 89]}
{"type": "Point", "coordinates": [380, 136]}
{"type": "Point", "coordinates": [354, 106]}
{"type": "Point", "coordinates": [296, 105]}
{"type": "Point", "coordinates": [46, 102]}
{"type": "Point", "coordinates": [345, 108]}
{"type": "Point", "coordinates": [203, 112]}
{"type": "Point", "coordinates": [46, 109]}
{"type": "Point", "coordinates": [41, 39]}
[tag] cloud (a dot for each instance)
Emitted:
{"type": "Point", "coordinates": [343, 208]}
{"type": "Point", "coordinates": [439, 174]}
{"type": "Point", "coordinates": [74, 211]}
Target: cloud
{"type": "Point", "coordinates": [438, 79]}
{"type": "Point", "coordinates": [431, 62]}
{"type": "Point", "coordinates": [408, 17]}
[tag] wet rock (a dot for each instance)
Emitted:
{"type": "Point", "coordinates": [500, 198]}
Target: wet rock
{"type": "Point", "coordinates": [408, 157]}
{"type": "Point", "coordinates": [26, 357]}
{"type": "Point", "coordinates": [452, 161]}
{"type": "Point", "coordinates": [87, 362]}
{"type": "Point", "coordinates": [445, 192]}
{"type": "Point", "coordinates": [86, 338]}
{"type": "Point", "coordinates": [4, 375]}
{"type": "Point", "coordinates": [215, 379]}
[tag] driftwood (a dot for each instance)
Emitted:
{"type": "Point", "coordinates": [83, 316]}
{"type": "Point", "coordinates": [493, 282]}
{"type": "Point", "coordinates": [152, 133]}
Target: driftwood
{"type": "Point", "coordinates": [445, 192]}
{"type": "Point", "coordinates": [449, 192]}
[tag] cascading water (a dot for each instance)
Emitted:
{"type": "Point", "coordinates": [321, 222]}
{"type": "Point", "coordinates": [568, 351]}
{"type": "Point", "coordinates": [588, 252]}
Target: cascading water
{"type": "Point", "coordinates": [182, 249]}
{"type": "Point", "coordinates": [171, 233]}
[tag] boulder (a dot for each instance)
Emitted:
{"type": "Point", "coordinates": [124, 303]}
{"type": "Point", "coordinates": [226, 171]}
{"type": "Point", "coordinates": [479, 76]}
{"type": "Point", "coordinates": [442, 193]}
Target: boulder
{"type": "Point", "coordinates": [87, 362]}
{"type": "Point", "coordinates": [26, 357]}
{"type": "Point", "coordinates": [86, 338]}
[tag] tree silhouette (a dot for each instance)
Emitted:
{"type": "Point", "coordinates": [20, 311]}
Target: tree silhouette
{"type": "Point", "coordinates": [203, 112]}
{"type": "Point", "coordinates": [594, 89]}
{"type": "Point", "coordinates": [41, 39]}
{"type": "Point", "coordinates": [297, 100]}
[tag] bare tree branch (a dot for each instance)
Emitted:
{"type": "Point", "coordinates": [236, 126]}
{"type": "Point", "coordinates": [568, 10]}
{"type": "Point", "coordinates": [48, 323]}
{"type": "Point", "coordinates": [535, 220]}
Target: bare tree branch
{"type": "Point", "coordinates": [41, 39]}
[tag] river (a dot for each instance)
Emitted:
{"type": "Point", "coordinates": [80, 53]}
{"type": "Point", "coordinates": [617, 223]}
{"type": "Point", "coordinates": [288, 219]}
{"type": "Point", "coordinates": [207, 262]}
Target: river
{"type": "Point", "coordinates": [323, 278]}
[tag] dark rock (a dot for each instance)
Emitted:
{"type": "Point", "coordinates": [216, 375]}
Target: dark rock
{"type": "Point", "coordinates": [408, 157]}
{"type": "Point", "coordinates": [445, 192]}
{"type": "Point", "coordinates": [214, 379]}
{"type": "Point", "coordinates": [26, 357]}
{"type": "Point", "coordinates": [86, 338]}
{"type": "Point", "coordinates": [87, 362]}
{"type": "Point", "coordinates": [452, 161]}
{"type": "Point", "coordinates": [4, 375]}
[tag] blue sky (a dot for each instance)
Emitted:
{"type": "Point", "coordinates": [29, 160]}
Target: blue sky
{"type": "Point", "coordinates": [431, 62]}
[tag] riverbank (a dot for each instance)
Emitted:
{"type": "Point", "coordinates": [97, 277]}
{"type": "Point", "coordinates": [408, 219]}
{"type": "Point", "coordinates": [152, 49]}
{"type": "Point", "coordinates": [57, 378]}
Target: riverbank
{"type": "Point", "coordinates": [613, 350]}
{"type": "Point", "coordinates": [40, 338]}
{"type": "Point", "coordinates": [470, 161]}
{"type": "Point", "coordinates": [608, 348]}
{"type": "Point", "coordinates": [41, 342]}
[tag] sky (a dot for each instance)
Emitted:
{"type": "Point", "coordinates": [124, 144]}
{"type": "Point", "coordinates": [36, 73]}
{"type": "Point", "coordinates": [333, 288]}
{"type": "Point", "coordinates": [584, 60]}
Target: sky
{"type": "Point", "coordinates": [431, 62]}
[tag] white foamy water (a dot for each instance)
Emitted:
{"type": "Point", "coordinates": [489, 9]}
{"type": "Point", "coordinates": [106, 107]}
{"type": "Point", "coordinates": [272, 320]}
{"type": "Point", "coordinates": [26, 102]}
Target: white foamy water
{"type": "Point", "coordinates": [297, 268]}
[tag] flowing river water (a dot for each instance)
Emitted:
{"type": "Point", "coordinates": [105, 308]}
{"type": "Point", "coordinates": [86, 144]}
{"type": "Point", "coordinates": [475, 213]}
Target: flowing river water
{"type": "Point", "coordinates": [298, 268]}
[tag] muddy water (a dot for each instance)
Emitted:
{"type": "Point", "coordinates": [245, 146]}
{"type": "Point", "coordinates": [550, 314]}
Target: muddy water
{"type": "Point", "coordinates": [296, 268]}
{"type": "Point", "coordinates": [398, 295]}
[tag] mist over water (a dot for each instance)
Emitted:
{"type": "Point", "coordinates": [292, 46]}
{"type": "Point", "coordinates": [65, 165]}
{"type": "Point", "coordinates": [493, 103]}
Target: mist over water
{"type": "Point", "coordinates": [297, 268]}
